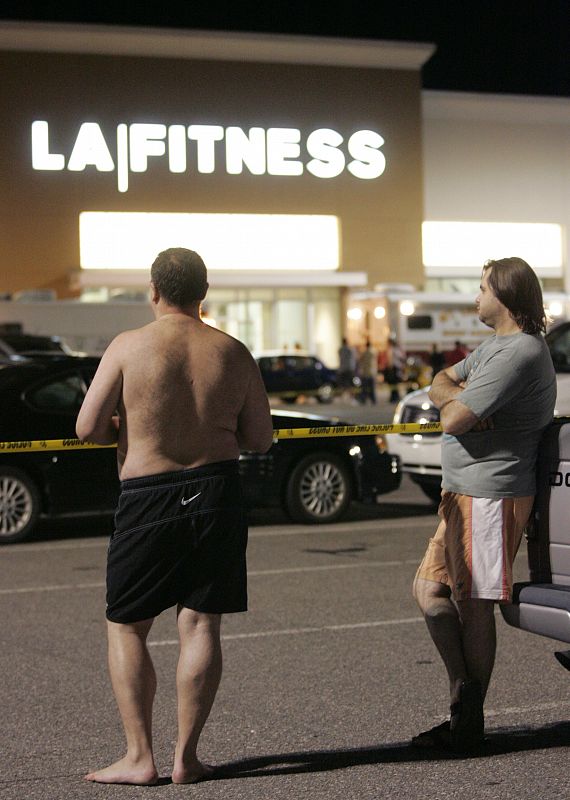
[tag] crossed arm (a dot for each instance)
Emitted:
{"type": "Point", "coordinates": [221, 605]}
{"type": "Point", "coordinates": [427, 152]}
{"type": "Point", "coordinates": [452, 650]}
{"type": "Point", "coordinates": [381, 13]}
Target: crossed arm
{"type": "Point", "coordinates": [456, 417]}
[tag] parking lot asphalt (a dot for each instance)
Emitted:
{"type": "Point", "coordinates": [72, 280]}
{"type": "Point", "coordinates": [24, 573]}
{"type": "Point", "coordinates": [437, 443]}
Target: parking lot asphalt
{"type": "Point", "coordinates": [326, 677]}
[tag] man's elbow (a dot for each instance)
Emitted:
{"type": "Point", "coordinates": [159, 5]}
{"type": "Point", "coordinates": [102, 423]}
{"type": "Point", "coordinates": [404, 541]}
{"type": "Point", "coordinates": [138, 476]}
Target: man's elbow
{"type": "Point", "coordinates": [456, 423]}
{"type": "Point", "coordinates": [83, 431]}
{"type": "Point", "coordinates": [96, 434]}
{"type": "Point", "coordinates": [265, 443]}
{"type": "Point", "coordinates": [256, 438]}
{"type": "Point", "coordinates": [256, 442]}
{"type": "Point", "coordinates": [454, 427]}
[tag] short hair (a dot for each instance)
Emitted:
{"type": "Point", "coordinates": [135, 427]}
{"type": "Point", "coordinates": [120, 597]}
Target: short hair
{"type": "Point", "coordinates": [515, 285]}
{"type": "Point", "coordinates": [179, 276]}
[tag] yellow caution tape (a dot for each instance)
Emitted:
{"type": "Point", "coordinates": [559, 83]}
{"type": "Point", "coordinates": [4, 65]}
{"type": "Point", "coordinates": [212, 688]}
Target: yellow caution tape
{"type": "Point", "coordinates": [357, 430]}
{"type": "Point", "coordinates": [50, 444]}
{"type": "Point", "coordinates": [282, 433]}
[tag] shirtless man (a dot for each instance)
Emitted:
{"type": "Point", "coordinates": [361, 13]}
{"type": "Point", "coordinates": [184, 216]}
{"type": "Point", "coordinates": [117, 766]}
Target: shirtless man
{"type": "Point", "coordinates": [181, 399]}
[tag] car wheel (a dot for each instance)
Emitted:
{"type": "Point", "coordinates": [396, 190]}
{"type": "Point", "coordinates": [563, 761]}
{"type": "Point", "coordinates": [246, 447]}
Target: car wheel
{"type": "Point", "coordinates": [289, 400]}
{"type": "Point", "coordinates": [433, 492]}
{"type": "Point", "coordinates": [319, 489]}
{"type": "Point", "coordinates": [325, 393]}
{"type": "Point", "coordinates": [19, 505]}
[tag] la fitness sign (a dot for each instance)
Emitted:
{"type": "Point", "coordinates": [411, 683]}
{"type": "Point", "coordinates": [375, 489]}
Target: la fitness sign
{"type": "Point", "coordinates": [259, 151]}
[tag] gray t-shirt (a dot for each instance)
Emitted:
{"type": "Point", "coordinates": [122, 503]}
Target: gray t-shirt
{"type": "Point", "coordinates": [510, 378]}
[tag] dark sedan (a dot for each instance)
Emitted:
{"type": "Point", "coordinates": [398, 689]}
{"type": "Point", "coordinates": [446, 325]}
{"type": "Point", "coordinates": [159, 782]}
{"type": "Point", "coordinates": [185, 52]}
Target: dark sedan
{"type": "Point", "coordinates": [314, 480]}
{"type": "Point", "coordinates": [15, 345]}
{"type": "Point", "coordinates": [291, 375]}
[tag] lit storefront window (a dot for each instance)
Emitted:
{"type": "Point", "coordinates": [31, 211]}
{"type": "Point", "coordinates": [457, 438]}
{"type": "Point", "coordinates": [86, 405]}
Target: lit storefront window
{"type": "Point", "coordinates": [461, 248]}
{"type": "Point", "coordinates": [131, 240]}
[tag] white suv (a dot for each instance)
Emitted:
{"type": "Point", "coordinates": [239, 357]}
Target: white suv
{"type": "Point", "coordinates": [420, 453]}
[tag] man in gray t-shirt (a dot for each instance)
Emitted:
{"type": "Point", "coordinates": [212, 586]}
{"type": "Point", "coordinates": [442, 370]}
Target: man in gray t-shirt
{"type": "Point", "coordinates": [511, 379]}
{"type": "Point", "coordinates": [494, 406]}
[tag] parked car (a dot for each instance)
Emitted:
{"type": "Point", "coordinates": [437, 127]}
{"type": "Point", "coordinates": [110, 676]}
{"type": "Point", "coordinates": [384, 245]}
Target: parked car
{"type": "Point", "coordinates": [290, 375]}
{"type": "Point", "coordinates": [420, 453]}
{"type": "Point", "coordinates": [16, 346]}
{"type": "Point", "coordinates": [542, 604]}
{"type": "Point", "coordinates": [315, 480]}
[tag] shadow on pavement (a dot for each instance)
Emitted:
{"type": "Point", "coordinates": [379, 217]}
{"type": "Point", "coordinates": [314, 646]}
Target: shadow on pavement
{"type": "Point", "coordinates": [497, 742]}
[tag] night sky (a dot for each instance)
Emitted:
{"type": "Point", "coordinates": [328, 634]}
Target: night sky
{"type": "Point", "coordinates": [500, 46]}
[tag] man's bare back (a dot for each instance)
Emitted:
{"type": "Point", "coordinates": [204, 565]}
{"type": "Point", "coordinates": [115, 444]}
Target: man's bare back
{"type": "Point", "coordinates": [187, 395]}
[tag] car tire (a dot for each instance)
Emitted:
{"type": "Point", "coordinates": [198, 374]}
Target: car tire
{"type": "Point", "coordinates": [289, 400]}
{"type": "Point", "coordinates": [319, 489]}
{"type": "Point", "coordinates": [19, 505]}
{"type": "Point", "coordinates": [433, 492]}
{"type": "Point", "coordinates": [325, 393]}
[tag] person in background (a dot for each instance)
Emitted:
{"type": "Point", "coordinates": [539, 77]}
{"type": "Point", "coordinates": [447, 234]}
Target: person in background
{"type": "Point", "coordinates": [347, 366]}
{"type": "Point", "coordinates": [494, 407]}
{"type": "Point", "coordinates": [396, 364]}
{"type": "Point", "coordinates": [436, 360]}
{"type": "Point", "coordinates": [456, 355]}
{"type": "Point", "coordinates": [368, 372]}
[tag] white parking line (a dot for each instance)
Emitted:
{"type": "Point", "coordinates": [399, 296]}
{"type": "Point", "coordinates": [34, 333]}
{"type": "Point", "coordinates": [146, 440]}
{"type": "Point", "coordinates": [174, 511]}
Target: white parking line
{"type": "Point", "coordinates": [382, 623]}
{"type": "Point", "coordinates": [364, 526]}
{"type": "Point", "coordinates": [553, 706]}
{"type": "Point", "coordinates": [254, 573]}
{"type": "Point", "coordinates": [58, 587]}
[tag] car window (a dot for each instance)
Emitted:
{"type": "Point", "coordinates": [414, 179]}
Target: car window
{"type": "Point", "coordinates": [21, 343]}
{"type": "Point", "coordinates": [64, 393]}
{"type": "Point", "coordinates": [301, 362]}
{"type": "Point", "coordinates": [274, 364]}
{"type": "Point", "coordinates": [88, 375]}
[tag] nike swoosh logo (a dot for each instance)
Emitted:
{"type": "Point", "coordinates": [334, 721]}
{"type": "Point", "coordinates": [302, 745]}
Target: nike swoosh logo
{"type": "Point", "coordinates": [185, 502]}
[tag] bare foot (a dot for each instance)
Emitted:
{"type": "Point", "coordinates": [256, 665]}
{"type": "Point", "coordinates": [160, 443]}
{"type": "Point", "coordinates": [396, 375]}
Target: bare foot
{"type": "Point", "coordinates": [198, 772]}
{"type": "Point", "coordinates": [139, 773]}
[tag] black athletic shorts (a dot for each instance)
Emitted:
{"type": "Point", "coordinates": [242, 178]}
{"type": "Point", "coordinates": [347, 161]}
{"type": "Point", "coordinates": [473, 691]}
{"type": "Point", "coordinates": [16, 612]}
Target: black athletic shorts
{"type": "Point", "coordinates": [180, 538]}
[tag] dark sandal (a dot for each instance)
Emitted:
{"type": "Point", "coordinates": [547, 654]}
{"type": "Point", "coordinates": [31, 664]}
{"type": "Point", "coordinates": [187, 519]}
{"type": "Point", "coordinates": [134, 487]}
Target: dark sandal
{"type": "Point", "coordinates": [467, 722]}
{"type": "Point", "coordinates": [439, 736]}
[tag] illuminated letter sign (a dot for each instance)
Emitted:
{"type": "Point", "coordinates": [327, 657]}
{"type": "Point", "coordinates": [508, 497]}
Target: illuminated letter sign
{"type": "Point", "coordinates": [90, 149]}
{"type": "Point", "coordinates": [245, 149]}
{"type": "Point", "coordinates": [364, 147]}
{"type": "Point", "coordinates": [283, 151]}
{"type": "Point", "coordinates": [144, 141]}
{"type": "Point", "coordinates": [41, 156]}
{"type": "Point", "coordinates": [328, 161]}
{"type": "Point", "coordinates": [324, 153]}
{"type": "Point", "coordinates": [206, 137]}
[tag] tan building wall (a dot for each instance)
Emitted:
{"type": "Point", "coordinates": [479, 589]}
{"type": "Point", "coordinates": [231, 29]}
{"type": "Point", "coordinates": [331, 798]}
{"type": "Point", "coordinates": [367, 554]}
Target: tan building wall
{"type": "Point", "coordinates": [506, 159]}
{"type": "Point", "coordinates": [39, 210]}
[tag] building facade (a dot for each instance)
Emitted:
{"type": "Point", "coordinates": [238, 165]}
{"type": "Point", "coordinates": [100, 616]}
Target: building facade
{"type": "Point", "coordinates": [293, 165]}
{"type": "Point", "coordinates": [304, 170]}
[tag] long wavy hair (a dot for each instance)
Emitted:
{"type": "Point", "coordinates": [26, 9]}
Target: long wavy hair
{"type": "Point", "coordinates": [515, 284]}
